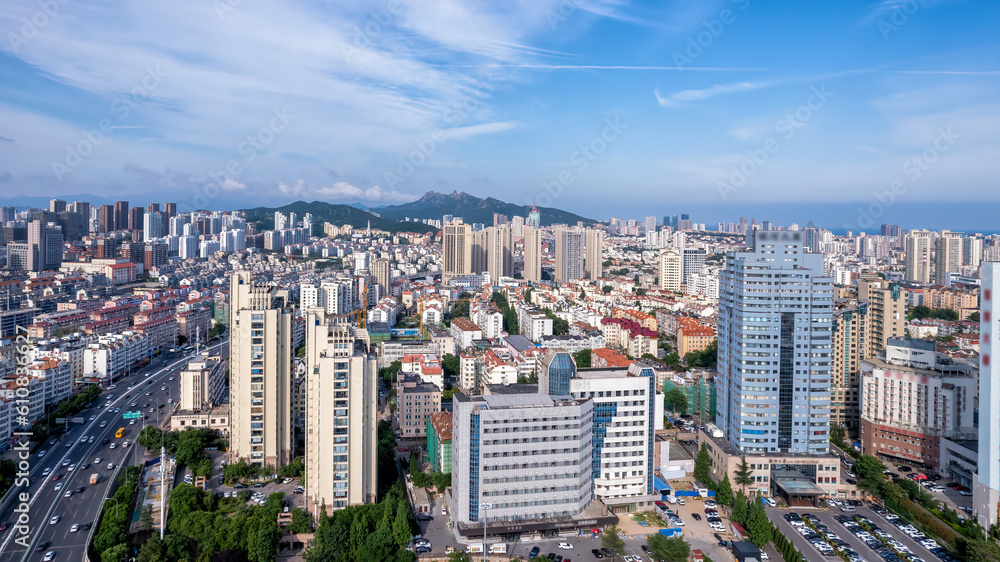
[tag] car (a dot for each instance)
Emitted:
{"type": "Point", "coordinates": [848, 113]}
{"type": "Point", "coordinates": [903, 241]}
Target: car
{"type": "Point", "coordinates": [79, 489]}
{"type": "Point", "coordinates": [851, 481]}
{"type": "Point", "coordinates": [43, 546]}
{"type": "Point", "coordinates": [113, 445]}
{"type": "Point", "coordinates": [69, 444]}
{"type": "Point", "coordinates": [105, 441]}
{"type": "Point", "coordinates": [149, 394]}
{"type": "Point", "coordinates": [403, 450]}
{"type": "Point", "coordinates": [104, 423]}
{"type": "Point", "coordinates": [49, 555]}
{"type": "Point", "coordinates": [111, 466]}
{"type": "Point", "coordinates": [56, 477]}
{"type": "Point", "coordinates": [965, 493]}
{"type": "Point", "coordinates": [3, 526]}
{"type": "Point", "coordinates": [597, 553]}
{"type": "Point", "coordinates": [91, 440]}
{"type": "Point", "coordinates": [93, 417]}
{"type": "Point", "coordinates": [228, 494]}
{"type": "Point", "coordinates": [287, 480]}
{"type": "Point", "coordinates": [97, 460]}
{"type": "Point", "coordinates": [170, 379]}
{"type": "Point", "coordinates": [55, 519]}
{"type": "Point", "coordinates": [534, 552]}
{"type": "Point", "coordinates": [131, 422]}
{"type": "Point", "coordinates": [422, 549]}
{"type": "Point", "coordinates": [696, 516]}
{"type": "Point", "coordinates": [59, 486]}
{"type": "Point", "coordinates": [74, 528]}
{"type": "Point", "coordinates": [68, 494]}
{"type": "Point", "coordinates": [565, 546]}
{"type": "Point", "coordinates": [126, 443]}
{"type": "Point", "coordinates": [607, 552]}
{"type": "Point", "coordinates": [47, 471]}
{"type": "Point", "coordinates": [424, 517]}
{"type": "Point", "coordinates": [904, 468]}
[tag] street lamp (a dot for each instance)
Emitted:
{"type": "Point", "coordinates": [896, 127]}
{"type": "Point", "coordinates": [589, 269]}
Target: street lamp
{"type": "Point", "coordinates": [116, 505]}
{"type": "Point", "coordinates": [486, 507]}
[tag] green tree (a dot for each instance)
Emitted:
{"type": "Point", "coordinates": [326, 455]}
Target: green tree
{"type": "Point", "coordinates": [268, 537]}
{"type": "Point", "coordinates": [675, 400]}
{"type": "Point", "coordinates": [450, 364]}
{"type": "Point", "coordinates": [301, 522]}
{"type": "Point", "coordinates": [611, 541]}
{"type": "Point", "coordinates": [401, 525]}
{"type": "Point", "coordinates": [673, 549]}
{"type": "Point", "coordinates": [725, 492]}
{"type": "Point", "coordinates": [582, 358]}
{"type": "Point", "coordinates": [740, 508]}
{"type": "Point", "coordinates": [758, 526]}
{"type": "Point", "coordinates": [146, 517]}
{"type": "Point", "coordinates": [974, 317]}
{"type": "Point", "coordinates": [744, 474]}
{"type": "Point", "coordinates": [606, 289]}
{"type": "Point", "coordinates": [117, 552]}
{"type": "Point", "coordinates": [869, 471]}
{"type": "Point", "coordinates": [459, 557]}
{"type": "Point", "coordinates": [703, 465]}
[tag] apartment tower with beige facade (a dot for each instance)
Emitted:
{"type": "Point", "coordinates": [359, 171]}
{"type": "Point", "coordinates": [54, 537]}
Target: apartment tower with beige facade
{"type": "Point", "coordinates": [260, 357]}
{"type": "Point", "coordinates": [341, 415]}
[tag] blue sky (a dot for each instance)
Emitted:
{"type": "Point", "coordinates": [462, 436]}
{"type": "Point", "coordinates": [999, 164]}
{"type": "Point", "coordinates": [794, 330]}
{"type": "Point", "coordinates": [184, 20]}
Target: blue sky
{"type": "Point", "coordinates": [599, 107]}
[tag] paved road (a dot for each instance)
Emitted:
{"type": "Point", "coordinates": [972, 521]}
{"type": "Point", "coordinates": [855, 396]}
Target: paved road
{"type": "Point", "coordinates": [81, 508]}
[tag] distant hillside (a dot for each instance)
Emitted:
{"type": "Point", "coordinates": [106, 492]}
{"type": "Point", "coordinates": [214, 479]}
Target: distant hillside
{"type": "Point", "coordinates": [336, 214]}
{"type": "Point", "coordinates": [472, 209]}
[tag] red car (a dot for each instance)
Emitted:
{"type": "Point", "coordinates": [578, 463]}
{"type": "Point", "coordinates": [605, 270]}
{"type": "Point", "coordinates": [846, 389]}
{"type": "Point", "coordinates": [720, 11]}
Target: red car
{"type": "Point", "coordinates": [403, 450]}
{"type": "Point", "coordinates": [3, 526]}
{"type": "Point", "coordinates": [56, 476]}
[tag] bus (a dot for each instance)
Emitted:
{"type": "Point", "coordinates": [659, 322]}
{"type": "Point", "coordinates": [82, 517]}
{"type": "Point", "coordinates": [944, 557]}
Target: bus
{"type": "Point", "coordinates": [120, 433]}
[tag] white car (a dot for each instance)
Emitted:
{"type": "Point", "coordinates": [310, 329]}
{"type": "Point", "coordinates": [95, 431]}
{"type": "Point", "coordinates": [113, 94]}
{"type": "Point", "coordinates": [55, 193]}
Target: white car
{"type": "Point", "coordinates": [71, 467]}
{"type": "Point", "coordinates": [131, 422]}
{"type": "Point", "coordinates": [66, 462]}
{"type": "Point", "coordinates": [113, 445]}
{"type": "Point", "coordinates": [59, 486]}
{"type": "Point", "coordinates": [74, 528]}
{"type": "Point", "coordinates": [104, 424]}
{"type": "Point", "coordinates": [55, 519]}
{"type": "Point", "coordinates": [228, 494]}
{"type": "Point", "coordinates": [46, 472]}
{"type": "Point", "coordinates": [565, 546]}
{"type": "Point", "coordinates": [68, 494]}
{"type": "Point", "coordinates": [680, 501]}
{"type": "Point", "coordinates": [41, 453]}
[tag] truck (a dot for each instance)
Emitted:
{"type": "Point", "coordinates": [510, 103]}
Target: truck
{"type": "Point", "coordinates": [676, 531]}
{"type": "Point", "coordinates": [498, 548]}
{"type": "Point", "coordinates": [475, 548]}
{"type": "Point", "coordinates": [94, 478]}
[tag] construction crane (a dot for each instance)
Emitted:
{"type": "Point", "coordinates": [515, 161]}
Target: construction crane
{"type": "Point", "coordinates": [363, 310]}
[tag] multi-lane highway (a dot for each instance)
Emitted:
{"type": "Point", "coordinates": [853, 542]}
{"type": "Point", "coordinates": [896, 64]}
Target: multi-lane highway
{"type": "Point", "coordinates": [85, 450]}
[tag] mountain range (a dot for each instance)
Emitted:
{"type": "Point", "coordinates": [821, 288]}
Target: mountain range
{"type": "Point", "coordinates": [472, 209]}
{"type": "Point", "coordinates": [336, 214]}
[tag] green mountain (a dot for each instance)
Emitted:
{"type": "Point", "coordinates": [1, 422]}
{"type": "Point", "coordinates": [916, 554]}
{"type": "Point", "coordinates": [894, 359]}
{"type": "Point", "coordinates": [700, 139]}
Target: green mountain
{"type": "Point", "coordinates": [472, 209]}
{"type": "Point", "coordinates": [336, 214]}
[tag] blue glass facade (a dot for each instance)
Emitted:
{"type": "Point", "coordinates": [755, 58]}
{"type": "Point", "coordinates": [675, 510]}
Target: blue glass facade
{"type": "Point", "coordinates": [603, 413]}
{"type": "Point", "coordinates": [474, 467]}
{"type": "Point", "coordinates": [560, 371]}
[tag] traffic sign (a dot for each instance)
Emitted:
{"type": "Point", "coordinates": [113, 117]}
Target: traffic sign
{"type": "Point", "coordinates": [131, 415]}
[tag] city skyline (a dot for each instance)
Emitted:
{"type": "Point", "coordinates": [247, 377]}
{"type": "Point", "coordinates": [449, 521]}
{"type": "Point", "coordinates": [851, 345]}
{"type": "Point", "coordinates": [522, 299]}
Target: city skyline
{"type": "Point", "coordinates": [697, 91]}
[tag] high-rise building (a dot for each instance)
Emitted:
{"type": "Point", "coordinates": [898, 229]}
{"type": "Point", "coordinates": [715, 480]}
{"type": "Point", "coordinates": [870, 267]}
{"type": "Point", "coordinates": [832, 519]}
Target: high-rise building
{"type": "Point", "coordinates": [671, 270]}
{"type": "Point", "coordinates": [136, 218]}
{"type": "Point", "coordinates": [499, 252]}
{"type": "Point", "coordinates": [170, 209]}
{"type": "Point", "coordinates": [887, 308]}
{"type": "Point", "coordinates": [83, 209]}
{"type": "Point", "coordinates": [509, 453]}
{"type": "Point", "coordinates": [775, 322]}
{"type": "Point", "coordinates": [72, 225]}
{"type": "Point", "coordinates": [649, 224]}
{"type": "Point", "coordinates": [532, 254]}
{"type": "Point", "coordinates": [593, 261]}
{"type": "Point", "coordinates": [569, 250]}
{"type": "Point", "coordinates": [152, 207]}
{"type": "Point", "coordinates": [972, 250]}
{"type": "Point", "coordinates": [106, 219]}
{"type": "Point", "coordinates": [341, 416]}
{"type": "Point", "coordinates": [693, 261]}
{"type": "Point", "coordinates": [457, 247]}
{"type": "Point", "coordinates": [986, 483]}
{"type": "Point", "coordinates": [151, 225]}
{"type": "Point", "coordinates": [479, 244]}
{"type": "Point", "coordinates": [947, 255]}
{"type": "Point", "coordinates": [155, 255]}
{"type": "Point", "coordinates": [918, 256]}
{"type": "Point", "coordinates": [534, 218]}
{"type": "Point", "coordinates": [852, 321]}
{"type": "Point", "coordinates": [57, 205]}
{"type": "Point", "coordinates": [45, 245]}
{"type": "Point", "coordinates": [382, 271]}
{"type": "Point", "coordinates": [260, 358]}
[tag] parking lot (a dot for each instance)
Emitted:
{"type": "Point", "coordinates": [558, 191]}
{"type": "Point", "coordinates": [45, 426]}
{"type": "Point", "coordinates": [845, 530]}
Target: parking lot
{"type": "Point", "coordinates": [828, 518]}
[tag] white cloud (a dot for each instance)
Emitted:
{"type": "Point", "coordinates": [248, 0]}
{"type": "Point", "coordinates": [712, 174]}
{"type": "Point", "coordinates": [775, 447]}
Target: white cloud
{"type": "Point", "coordinates": [343, 192]}
{"type": "Point", "coordinates": [718, 89]}
{"type": "Point", "coordinates": [461, 133]}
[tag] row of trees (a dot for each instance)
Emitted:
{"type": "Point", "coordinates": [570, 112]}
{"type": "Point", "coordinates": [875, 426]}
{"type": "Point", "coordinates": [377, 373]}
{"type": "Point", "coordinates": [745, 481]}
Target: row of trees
{"type": "Point", "coordinates": [369, 533]}
{"type": "Point", "coordinates": [421, 479]}
{"type": "Point", "coordinates": [187, 447]}
{"type": "Point", "coordinates": [921, 311]}
{"type": "Point", "coordinates": [67, 408]}
{"type": "Point", "coordinates": [509, 314]}
{"type": "Point", "coordinates": [112, 541]}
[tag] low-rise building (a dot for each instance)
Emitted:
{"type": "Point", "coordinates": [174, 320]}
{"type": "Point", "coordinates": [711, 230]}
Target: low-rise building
{"type": "Point", "coordinates": [439, 442]}
{"type": "Point", "coordinates": [415, 401]}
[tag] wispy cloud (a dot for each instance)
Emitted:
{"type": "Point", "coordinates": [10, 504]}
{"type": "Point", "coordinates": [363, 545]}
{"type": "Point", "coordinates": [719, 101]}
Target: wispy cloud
{"type": "Point", "coordinates": [461, 133]}
{"type": "Point", "coordinates": [716, 90]}
{"type": "Point", "coordinates": [5, 139]}
{"type": "Point", "coordinates": [624, 67]}
{"type": "Point", "coordinates": [342, 191]}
